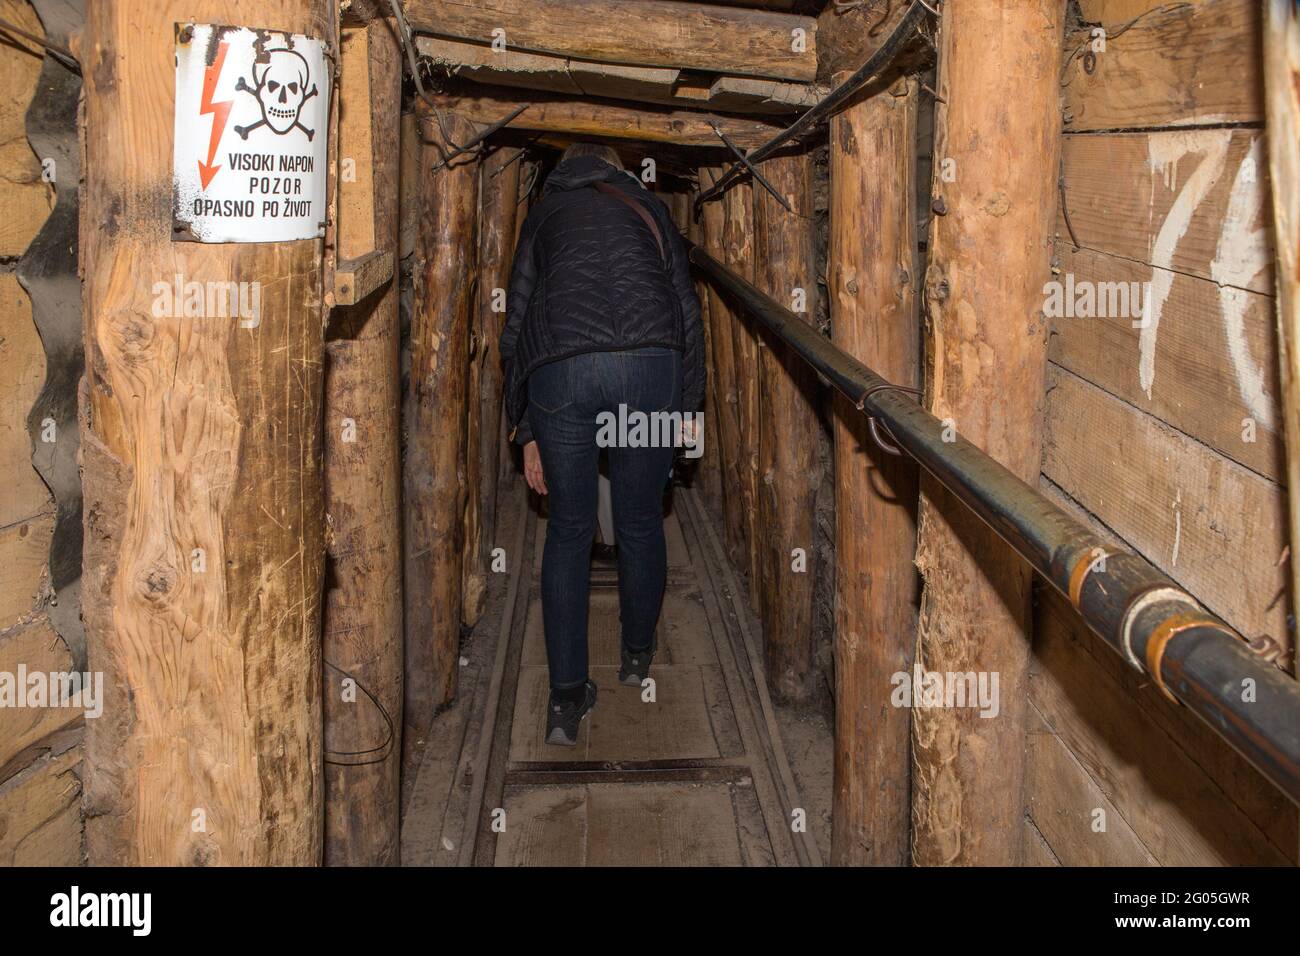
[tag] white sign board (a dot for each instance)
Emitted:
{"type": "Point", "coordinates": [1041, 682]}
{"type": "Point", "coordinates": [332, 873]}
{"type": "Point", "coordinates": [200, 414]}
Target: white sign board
{"type": "Point", "coordinates": [252, 118]}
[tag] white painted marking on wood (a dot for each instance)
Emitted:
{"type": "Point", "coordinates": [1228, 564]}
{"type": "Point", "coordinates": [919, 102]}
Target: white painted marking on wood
{"type": "Point", "coordinates": [1178, 526]}
{"type": "Point", "coordinates": [1243, 252]}
{"type": "Point", "coordinates": [1164, 150]}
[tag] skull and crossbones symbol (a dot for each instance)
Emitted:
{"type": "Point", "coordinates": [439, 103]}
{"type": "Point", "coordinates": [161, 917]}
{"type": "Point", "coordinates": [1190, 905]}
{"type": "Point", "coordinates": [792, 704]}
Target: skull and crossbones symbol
{"type": "Point", "coordinates": [280, 86]}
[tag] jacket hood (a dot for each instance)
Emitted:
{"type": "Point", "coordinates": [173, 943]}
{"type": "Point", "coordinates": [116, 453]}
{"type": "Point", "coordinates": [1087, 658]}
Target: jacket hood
{"type": "Point", "coordinates": [581, 171]}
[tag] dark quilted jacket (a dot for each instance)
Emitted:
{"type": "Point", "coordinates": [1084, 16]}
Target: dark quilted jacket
{"type": "Point", "coordinates": [588, 277]}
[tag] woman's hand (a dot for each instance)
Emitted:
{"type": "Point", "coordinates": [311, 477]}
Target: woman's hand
{"type": "Point", "coordinates": [533, 468]}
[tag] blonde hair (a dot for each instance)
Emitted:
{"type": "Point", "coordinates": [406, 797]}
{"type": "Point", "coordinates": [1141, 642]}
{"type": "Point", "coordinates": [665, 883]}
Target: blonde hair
{"type": "Point", "coordinates": [606, 153]}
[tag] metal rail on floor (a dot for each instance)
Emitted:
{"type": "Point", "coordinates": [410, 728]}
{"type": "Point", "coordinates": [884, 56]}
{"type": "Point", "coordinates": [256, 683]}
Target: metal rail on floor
{"type": "Point", "coordinates": [1159, 628]}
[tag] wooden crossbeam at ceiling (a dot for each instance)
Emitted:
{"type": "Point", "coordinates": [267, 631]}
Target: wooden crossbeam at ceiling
{"type": "Point", "coordinates": [651, 33]}
{"type": "Point", "coordinates": [553, 113]}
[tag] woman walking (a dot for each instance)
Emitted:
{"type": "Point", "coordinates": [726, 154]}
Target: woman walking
{"type": "Point", "coordinates": [601, 318]}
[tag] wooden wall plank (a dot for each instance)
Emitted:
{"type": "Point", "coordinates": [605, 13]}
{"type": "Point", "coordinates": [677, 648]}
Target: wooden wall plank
{"type": "Point", "coordinates": [27, 197]}
{"type": "Point", "coordinates": [1118, 12]}
{"type": "Point", "coordinates": [25, 547]}
{"type": "Point", "coordinates": [40, 807]}
{"type": "Point", "coordinates": [1210, 354]}
{"type": "Point", "coordinates": [1188, 66]}
{"type": "Point", "coordinates": [1064, 804]}
{"type": "Point", "coordinates": [1215, 527]}
{"type": "Point", "coordinates": [1194, 201]}
{"type": "Point", "coordinates": [22, 372]}
{"type": "Point", "coordinates": [39, 649]}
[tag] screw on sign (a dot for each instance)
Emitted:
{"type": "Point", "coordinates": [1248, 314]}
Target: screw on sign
{"type": "Point", "coordinates": [248, 165]}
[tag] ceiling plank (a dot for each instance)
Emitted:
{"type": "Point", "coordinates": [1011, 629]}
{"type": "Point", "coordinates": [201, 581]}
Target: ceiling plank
{"type": "Point", "coordinates": [667, 87]}
{"type": "Point", "coordinates": [554, 113]}
{"type": "Point", "coordinates": [653, 33]}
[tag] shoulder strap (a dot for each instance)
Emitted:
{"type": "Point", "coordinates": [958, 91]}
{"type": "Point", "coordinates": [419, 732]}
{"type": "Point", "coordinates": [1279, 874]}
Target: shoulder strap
{"type": "Point", "coordinates": [639, 209]}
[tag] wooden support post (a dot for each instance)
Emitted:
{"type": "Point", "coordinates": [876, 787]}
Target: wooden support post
{"type": "Point", "coordinates": [1282, 102]}
{"type": "Point", "coordinates": [444, 278]}
{"type": "Point", "coordinates": [362, 642]}
{"type": "Point", "coordinates": [498, 205]}
{"type": "Point", "coordinates": [710, 471]}
{"type": "Point", "coordinates": [997, 143]}
{"type": "Point", "coordinates": [204, 510]}
{"type": "Point", "coordinates": [789, 455]}
{"type": "Point", "coordinates": [871, 278]}
{"type": "Point", "coordinates": [720, 315]}
{"type": "Point", "coordinates": [738, 247]}
{"type": "Point", "coordinates": [473, 572]}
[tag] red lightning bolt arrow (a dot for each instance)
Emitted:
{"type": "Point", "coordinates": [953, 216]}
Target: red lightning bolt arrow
{"type": "Point", "coordinates": [220, 112]}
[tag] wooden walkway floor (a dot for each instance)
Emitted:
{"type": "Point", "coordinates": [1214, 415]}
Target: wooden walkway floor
{"type": "Point", "coordinates": [688, 772]}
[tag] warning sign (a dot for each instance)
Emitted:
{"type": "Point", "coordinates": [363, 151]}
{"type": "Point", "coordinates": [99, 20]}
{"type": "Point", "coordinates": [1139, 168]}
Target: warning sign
{"type": "Point", "coordinates": [252, 114]}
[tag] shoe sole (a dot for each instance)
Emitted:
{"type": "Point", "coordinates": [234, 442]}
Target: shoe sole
{"type": "Point", "coordinates": [632, 680]}
{"type": "Point", "coordinates": [556, 737]}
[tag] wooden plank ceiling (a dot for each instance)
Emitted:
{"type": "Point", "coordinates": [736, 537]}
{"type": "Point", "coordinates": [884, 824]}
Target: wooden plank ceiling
{"type": "Point", "coordinates": [654, 70]}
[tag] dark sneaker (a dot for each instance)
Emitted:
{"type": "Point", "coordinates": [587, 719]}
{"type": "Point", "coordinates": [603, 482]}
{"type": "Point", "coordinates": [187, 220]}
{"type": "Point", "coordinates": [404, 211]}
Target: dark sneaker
{"type": "Point", "coordinates": [635, 665]}
{"type": "Point", "coordinates": [562, 719]}
{"type": "Point", "coordinates": [604, 555]}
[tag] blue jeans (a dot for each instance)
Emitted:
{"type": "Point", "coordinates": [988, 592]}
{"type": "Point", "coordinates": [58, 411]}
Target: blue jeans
{"type": "Point", "coordinates": [565, 399]}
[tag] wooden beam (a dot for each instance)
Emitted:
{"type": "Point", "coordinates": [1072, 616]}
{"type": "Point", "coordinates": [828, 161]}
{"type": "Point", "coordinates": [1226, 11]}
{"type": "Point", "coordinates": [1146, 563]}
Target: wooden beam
{"type": "Point", "coordinates": [738, 249]}
{"type": "Point", "coordinates": [847, 38]}
{"type": "Point", "coordinates": [584, 117]}
{"type": "Point", "coordinates": [789, 447]}
{"type": "Point", "coordinates": [1187, 65]}
{"type": "Point", "coordinates": [204, 506]}
{"type": "Point", "coordinates": [659, 85]}
{"type": "Point", "coordinates": [722, 322]}
{"type": "Point", "coordinates": [498, 213]}
{"type": "Point", "coordinates": [711, 467]}
{"type": "Point", "coordinates": [874, 318]}
{"type": "Point", "coordinates": [444, 279]}
{"type": "Point", "coordinates": [998, 129]}
{"type": "Point", "coordinates": [540, 71]}
{"type": "Point", "coordinates": [742, 94]}
{"type": "Point", "coordinates": [1282, 88]}
{"type": "Point", "coordinates": [633, 32]}
{"type": "Point", "coordinates": [359, 278]}
{"type": "Point", "coordinates": [362, 639]}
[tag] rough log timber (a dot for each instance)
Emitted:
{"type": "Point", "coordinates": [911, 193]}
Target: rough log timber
{"type": "Point", "coordinates": [871, 279]}
{"type": "Point", "coordinates": [738, 247]}
{"type": "Point", "coordinates": [1282, 102]}
{"type": "Point", "coordinates": [711, 467]}
{"type": "Point", "coordinates": [557, 74]}
{"type": "Point", "coordinates": [722, 321]}
{"type": "Point", "coordinates": [998, 127]}
{"type": "Point", "coordinates": [498, 206]}
{"type": "Point", "coordinates": [204, 511]}
{"type": "Point", "coordinates": [789, 457]}
{"type": "Point", "coordinates": [551, 113]}
{"type": "Point", "coordinates": [847, 38]}
{"type": "Point", "coordinates": [444, 279]}
{"type": "Point", "coordinates": [636, 32]}
{"type": "Point", "coordinates": [362, 629]}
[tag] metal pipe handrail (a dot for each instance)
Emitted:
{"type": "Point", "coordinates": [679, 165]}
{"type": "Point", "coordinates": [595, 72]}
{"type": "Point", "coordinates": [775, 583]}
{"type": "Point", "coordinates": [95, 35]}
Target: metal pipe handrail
{"type": "Point", "coordinates": [1193, 657]}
